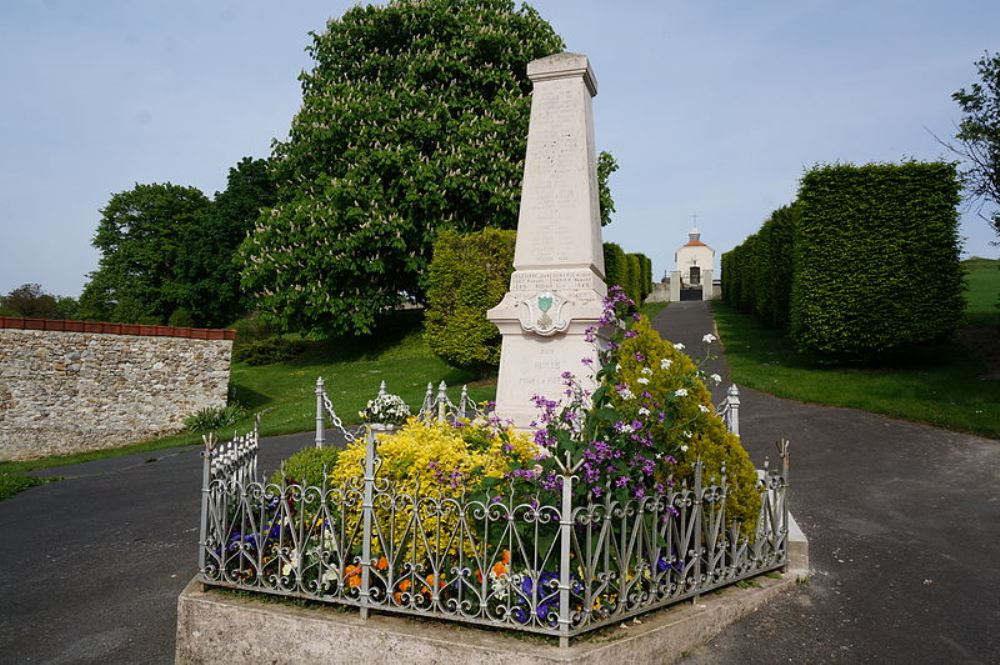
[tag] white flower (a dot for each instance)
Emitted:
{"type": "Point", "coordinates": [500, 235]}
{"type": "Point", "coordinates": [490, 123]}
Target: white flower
{"type": "Point", "coordinates": [681, 392]}
{"type": "Point", "coordinates": [716, 378]}
{"type": "Point", "coordinates": [709, 338]}
{"type": "Point", "coordinates": [292, 564]}
{"type": "Point", "coordinates": [687, 434]}
{"type": "Point", "coordinates": [643, 411]}
{"type": "Point", "coordinates": [684, 448]}
{"type": "Point", "coordinates": [618, 368]}
{"type": "Point", "coordinates": [643, 380]}
{"type": "Point", "coordinates": [537, 470]}
{"type": "Point", "coordinates": [646, 371]}
{"type": "Point", "coordinates": [666, 363]}
{"type": "Point", "coordinates": [679, 346]}
{"type": "Point", "coordinates": [703, 408]}
{"type": "Point", "coordinates": [625, 393]}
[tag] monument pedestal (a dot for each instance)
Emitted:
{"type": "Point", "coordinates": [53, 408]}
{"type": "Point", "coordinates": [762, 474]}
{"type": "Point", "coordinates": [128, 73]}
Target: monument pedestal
{"type": "Point", "coordinates": [557, 288]}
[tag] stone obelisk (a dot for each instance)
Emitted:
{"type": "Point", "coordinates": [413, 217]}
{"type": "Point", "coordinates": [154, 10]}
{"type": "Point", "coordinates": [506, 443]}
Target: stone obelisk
{"type": "Point", "coordinates": [558, 282]}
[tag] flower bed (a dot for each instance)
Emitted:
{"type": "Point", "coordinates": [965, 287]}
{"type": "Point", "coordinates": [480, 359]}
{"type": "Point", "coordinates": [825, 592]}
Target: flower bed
{"type": "Point", "coordinates": [625, 498]}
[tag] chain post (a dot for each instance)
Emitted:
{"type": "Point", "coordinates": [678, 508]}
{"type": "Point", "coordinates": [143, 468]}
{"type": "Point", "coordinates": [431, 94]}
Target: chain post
{"type": "Point", "coordinates": [320, 419]}
{"type": "Point", "coordinates": [733, 409]}
{"type": "Point", "coordinates": [442, 402]}
{"type": "Point", "coordinates": [367, 507]}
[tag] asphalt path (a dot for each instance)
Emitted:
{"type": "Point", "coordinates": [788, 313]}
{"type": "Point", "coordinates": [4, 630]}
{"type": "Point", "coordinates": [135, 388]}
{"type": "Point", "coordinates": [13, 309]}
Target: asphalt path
{"type": "Point", "coordinates": [92, 565]}
{"type": "Point", "coordinates": [903, 522]}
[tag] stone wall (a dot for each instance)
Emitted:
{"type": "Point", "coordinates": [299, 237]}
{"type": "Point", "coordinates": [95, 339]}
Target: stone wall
{"type": "Point", "coordinates": [63, 392]}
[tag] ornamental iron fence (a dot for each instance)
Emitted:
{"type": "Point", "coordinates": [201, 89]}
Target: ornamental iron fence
{"type": "Point", "coordinates": [526, 563]}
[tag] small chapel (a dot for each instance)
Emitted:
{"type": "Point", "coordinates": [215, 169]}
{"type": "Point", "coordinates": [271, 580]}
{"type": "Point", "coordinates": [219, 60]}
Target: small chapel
{"type": "Point", "coordinates": [693, 259]}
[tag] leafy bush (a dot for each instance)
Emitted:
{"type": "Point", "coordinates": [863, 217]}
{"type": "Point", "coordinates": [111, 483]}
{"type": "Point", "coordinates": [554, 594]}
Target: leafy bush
{"type": "Point", "coordinates": [469, 274]}
{"type": "Point", "coordinates": [252, 329]}
{"type": "Point", "coordinates": [692, 431]}
{"type": "Point", "coordinates": [614, 265]}
{"type": "Point", "coordinates": [268, 351]}
{"type": "Point", "coordinates": [307, 467]}
{"type": "Point", "coordinates": [181, 317]}
{"type": "Point", "coordinates": [215, 418]}
{"type": "Point", "coordinates": [758, 273]}
{"type": "Point", "coordinates": [440, 458]}
{"type": "Point", "coordinates": [876, 259]}
{"type": "Point", "coordinates": [633, 285]}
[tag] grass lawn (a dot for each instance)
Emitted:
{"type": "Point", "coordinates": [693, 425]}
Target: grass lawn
{"type": "Point", "coordinates": [983, 296]}
{"type": "Point", "coordinates": [944, 386]}
{"type": "Point", "coordinates": [651, 309]}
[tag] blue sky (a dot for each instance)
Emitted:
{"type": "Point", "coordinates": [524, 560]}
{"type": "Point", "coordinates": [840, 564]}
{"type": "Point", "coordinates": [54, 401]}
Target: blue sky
{"type": "Point", "coordinates": [712, 108]}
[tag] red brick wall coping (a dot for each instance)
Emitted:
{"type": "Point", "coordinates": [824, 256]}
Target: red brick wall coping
{"type": "Point", "coordinates": [22, 323]}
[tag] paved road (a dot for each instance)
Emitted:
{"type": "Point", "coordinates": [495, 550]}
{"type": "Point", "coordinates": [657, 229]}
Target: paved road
{"type": "Point", "coordinates": [92, 565]}
{"type": "Point", "coordinates": [903, 521]}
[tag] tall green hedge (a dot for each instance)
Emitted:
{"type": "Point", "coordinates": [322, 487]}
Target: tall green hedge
{"type": "Point", "coordinates": [645, 276]}
{"type": "Point", "coordinates": [469, 274]}
{"type": "Point", "coordinates": [634, 278]}
{"type": "Point", "coordinates": [614, 265]}
{"type": "Point", "coordinates": [876, 259]}
{"type": "Point", "coordinates": [758, 273]}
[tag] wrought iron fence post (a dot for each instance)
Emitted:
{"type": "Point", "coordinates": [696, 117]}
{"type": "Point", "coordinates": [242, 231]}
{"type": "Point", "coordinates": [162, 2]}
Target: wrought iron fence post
{"type": "Point", "coordinates": [320, 419]}
{"type": "Point", "coordinates": [206, 481]}
{"type": "Point", "coordinates": [783, 451]}
{"type": "Point", "coordinates": [565, 534]}
{"type": "Point", "coordinates": [442, 402]}
{"type": "Point", "coordinates": [733, 409]}
{"type": "Point", "coordinates": [697, 506]}
{"type": "Point", "coordinates": [367, 507]}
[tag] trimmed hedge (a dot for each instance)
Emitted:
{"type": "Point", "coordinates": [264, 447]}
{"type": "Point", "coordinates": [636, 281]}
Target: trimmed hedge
{"type": "Point", "coordinates": [758, 273]}
{"type": "Point", "coordinates": [615, 265]}
{"type": "Point", "coordinates": [469, 274]}
{"type": "Point", "coordinates": [865, 262]}
{"type": "Point", "coordinates": [877, 259]}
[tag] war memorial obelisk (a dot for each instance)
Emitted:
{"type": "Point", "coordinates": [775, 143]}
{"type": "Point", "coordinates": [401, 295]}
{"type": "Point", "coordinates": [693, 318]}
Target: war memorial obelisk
{"type": "Point", "coordinates": [557, 288]}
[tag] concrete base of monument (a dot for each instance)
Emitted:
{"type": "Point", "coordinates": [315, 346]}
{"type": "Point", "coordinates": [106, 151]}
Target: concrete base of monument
{"type": "Point", "coordinates": [215, 626]}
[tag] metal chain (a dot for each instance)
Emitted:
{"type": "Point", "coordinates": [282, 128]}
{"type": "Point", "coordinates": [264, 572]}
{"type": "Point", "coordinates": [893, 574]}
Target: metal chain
{"type": "Point", "coordinates": [337, 422]}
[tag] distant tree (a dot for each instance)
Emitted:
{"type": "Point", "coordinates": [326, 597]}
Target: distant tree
{"type": "Point", "coordinates": [979, 135]}
{"type": "Point", "coordinates": [143, 236]}
{"type": "Point", "coordinates": [606, 165]}
{"type": "Point", "coordinates": [210, 267]}
{"type": "Point", "coordinates": [29, 300]}
{"type": "Point", "coordinates": [414, 119]}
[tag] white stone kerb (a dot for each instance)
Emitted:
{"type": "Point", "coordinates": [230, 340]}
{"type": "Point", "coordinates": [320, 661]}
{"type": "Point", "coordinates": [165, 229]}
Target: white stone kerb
{"type": "Point", "coordinates": [561, 66]}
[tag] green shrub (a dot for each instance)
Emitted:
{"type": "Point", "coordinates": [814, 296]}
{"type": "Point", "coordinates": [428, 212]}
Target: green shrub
{"type": "Point", "coordinates": [634, 278]}
{"type": "Point", "coordinates": [268, 351]}
{"type": "Point", "coordinates": [710, 441]}
{"type": "Point", "coordinates": [308, 466]}
{"type": "Point", "coordinates": [614, 265]}
{"type": "Point", "coordinates": [758, 273]}
{"type": "Point", "coordinates": [252, 329]}
{"type": "Point", "coordinates": [214, 419]}
{"type": "Point", "coordinates": [468, 275]}
{"type": "Point", "coordinates": [876, 259]}
{"type": "Point", "coordinates": [181, 317]}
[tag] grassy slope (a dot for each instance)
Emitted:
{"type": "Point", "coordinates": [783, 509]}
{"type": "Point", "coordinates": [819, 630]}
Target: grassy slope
{"type": "Point", "coordinates": [943, 386]}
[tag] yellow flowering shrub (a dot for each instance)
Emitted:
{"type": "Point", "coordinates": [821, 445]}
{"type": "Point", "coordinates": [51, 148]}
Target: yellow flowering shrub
{"type": "Point", "coordinates": [444, 460]}
{"type": "Point", "coordinates": [690, 430]}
